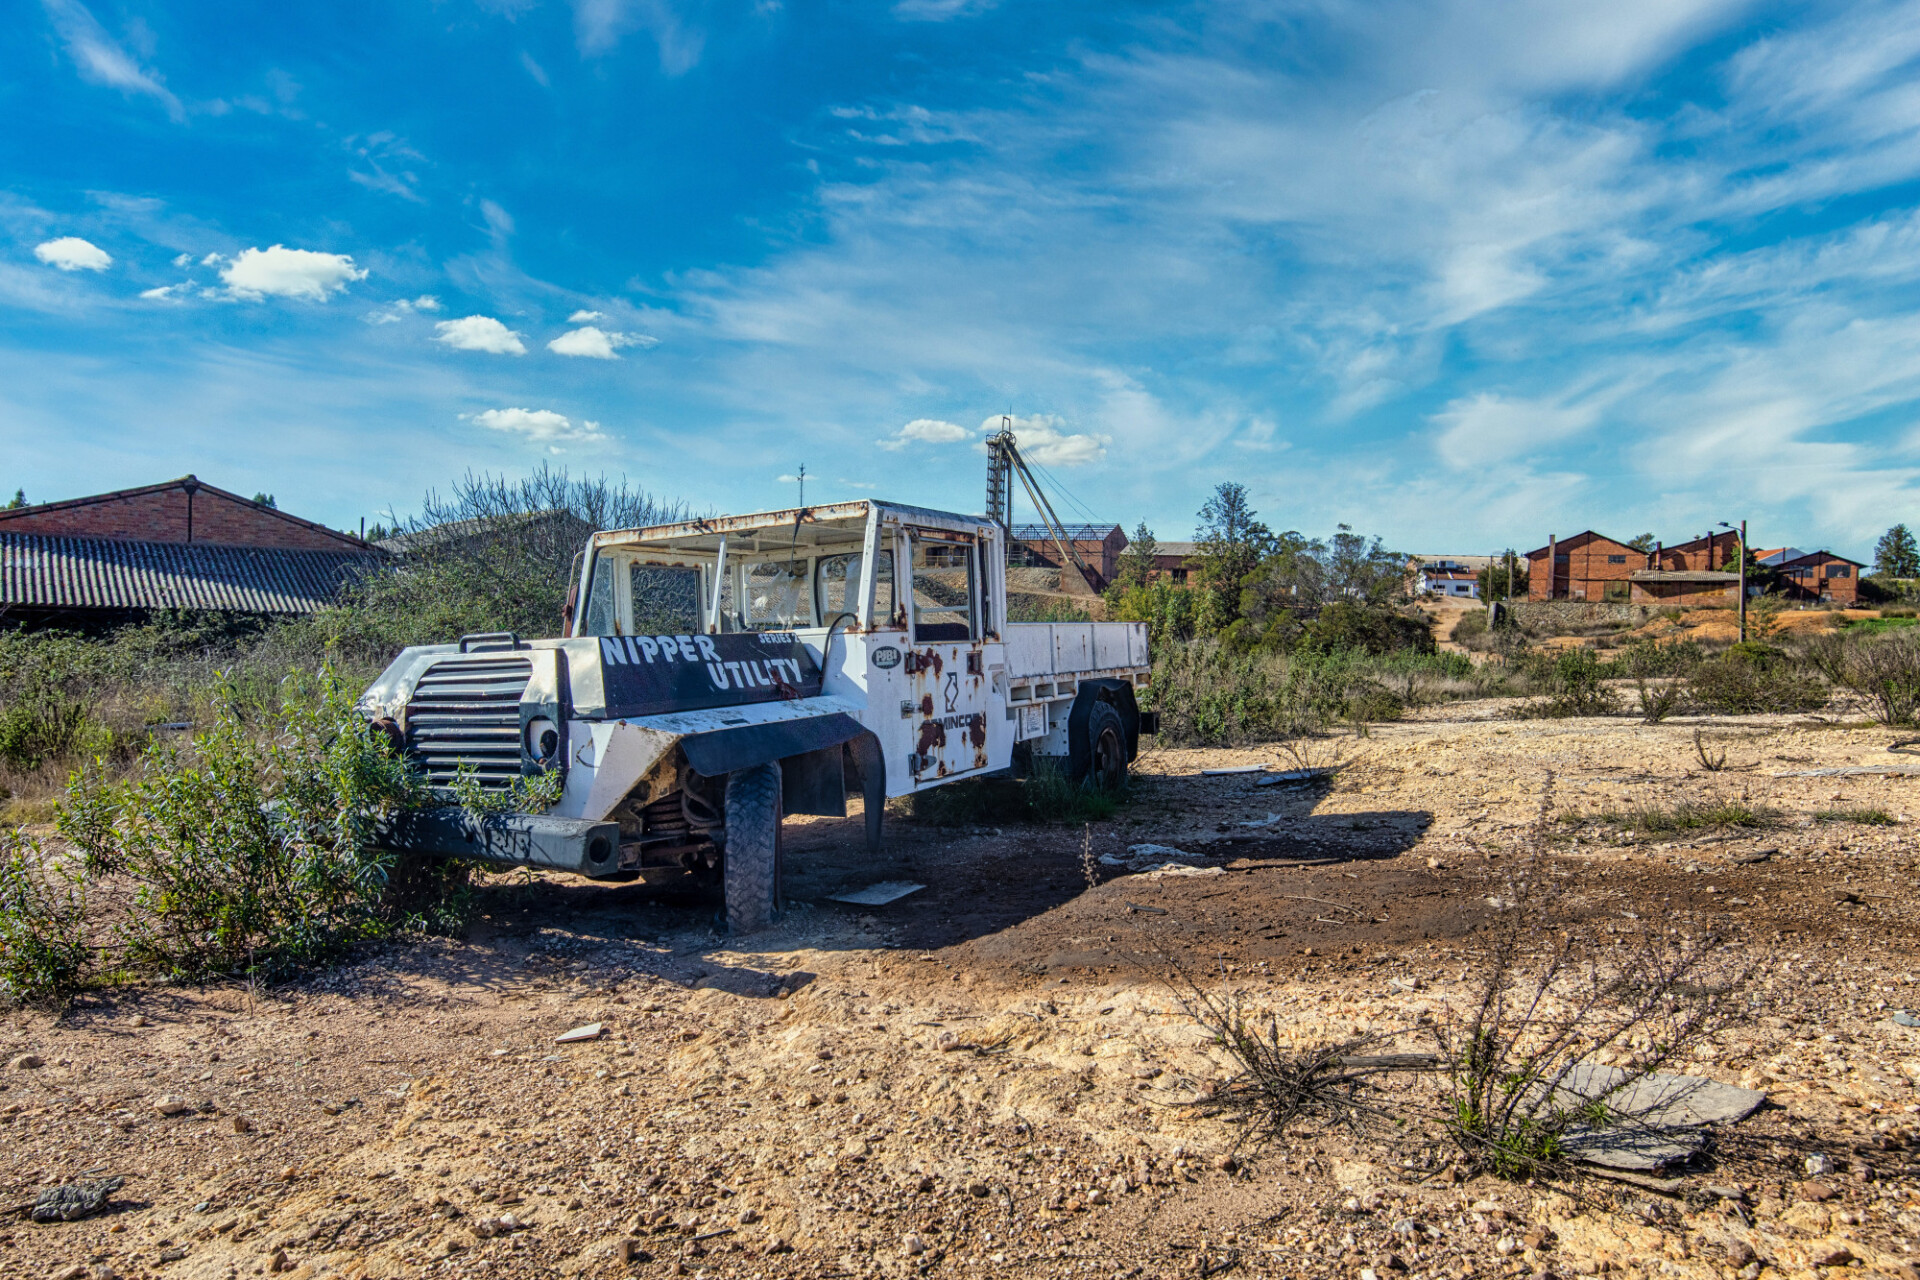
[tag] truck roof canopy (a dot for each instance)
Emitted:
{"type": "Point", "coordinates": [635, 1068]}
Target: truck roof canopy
{"type": "Point", "coordinates": [838, 526]}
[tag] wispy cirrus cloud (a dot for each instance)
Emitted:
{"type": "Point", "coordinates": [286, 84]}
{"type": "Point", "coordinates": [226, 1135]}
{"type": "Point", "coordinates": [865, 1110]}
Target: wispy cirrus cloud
{"type": "Point", "coordinates": [100, 59]}
{"type": "Point", "coordinates": [599, 25]}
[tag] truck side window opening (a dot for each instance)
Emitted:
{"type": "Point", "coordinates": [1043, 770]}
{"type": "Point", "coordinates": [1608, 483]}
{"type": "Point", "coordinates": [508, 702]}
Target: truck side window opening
{"type": "Point", "coordinates": [777, 595]}
{"type": "Point", "coordinates": [599, 618]}
{"type": "Point", "coordinates": [840, 587]}
{"type": "Point", "coordinates": [942, 590]}
{"type": "Point", "coordinates": [666, 599]}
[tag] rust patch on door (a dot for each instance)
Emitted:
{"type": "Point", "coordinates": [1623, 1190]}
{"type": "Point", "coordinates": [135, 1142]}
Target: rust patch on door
{"type": "Point", "coordinates": [977, 730]}
{"type": "Point", "coordinates": [926, 705]}
{"type": "Point", "coordinates": [933, 736]}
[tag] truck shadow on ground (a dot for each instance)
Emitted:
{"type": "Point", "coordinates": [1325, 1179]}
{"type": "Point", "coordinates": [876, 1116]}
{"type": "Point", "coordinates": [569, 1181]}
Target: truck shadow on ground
{"type": "Point", "coordinates": [1016, 896]}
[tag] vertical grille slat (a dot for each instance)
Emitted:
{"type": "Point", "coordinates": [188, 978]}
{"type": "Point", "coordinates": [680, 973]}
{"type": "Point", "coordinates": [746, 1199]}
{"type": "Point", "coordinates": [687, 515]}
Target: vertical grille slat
{"type": "Point", "coordinates": [466, 711]}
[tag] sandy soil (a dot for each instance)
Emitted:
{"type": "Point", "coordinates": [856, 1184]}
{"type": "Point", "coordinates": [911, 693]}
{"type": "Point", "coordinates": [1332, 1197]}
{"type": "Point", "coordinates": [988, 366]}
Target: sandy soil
{"type": "Point", "coordinates": [993, 1074]}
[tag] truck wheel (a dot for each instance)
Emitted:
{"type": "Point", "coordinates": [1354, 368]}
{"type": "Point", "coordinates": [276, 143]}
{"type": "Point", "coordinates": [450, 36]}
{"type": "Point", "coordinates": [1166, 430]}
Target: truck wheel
{"type": "Point", "coordinates": [1105, 763]}
{"type": "Point", "coordinates": [752, 867]}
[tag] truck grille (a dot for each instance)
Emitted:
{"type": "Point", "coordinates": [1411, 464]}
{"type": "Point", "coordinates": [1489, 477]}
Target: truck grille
{"type": "Point", "coordinates": [466, 711]}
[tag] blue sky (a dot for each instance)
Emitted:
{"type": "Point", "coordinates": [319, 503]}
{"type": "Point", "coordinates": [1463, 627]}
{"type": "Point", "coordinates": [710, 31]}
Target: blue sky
{"type": "Point", "coordinates": [1464, 274]}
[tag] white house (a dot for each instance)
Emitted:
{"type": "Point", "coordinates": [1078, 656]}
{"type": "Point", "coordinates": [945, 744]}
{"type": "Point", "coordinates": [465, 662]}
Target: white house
{"type": "Point", "coordinates": [1450, 576]}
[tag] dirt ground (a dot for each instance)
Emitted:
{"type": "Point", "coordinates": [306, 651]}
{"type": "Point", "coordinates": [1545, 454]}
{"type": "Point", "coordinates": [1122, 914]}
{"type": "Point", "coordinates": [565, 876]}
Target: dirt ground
{"type": "Point", "coordinates": [993, 1074]}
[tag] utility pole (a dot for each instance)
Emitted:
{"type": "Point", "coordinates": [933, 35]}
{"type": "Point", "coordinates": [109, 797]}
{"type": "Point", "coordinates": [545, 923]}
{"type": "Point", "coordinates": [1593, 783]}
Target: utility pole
{"type": "Point", "coordinates": [1743, 571]}
{"type": "Point", "coordinates": [1743, 582]}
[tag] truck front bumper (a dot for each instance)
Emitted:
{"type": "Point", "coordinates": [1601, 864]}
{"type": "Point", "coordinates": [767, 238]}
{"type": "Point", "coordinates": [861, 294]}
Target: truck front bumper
{"type": "Point", "coordinates": [510, 839]}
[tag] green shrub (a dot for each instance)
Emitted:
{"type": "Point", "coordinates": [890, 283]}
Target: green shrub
{"type": "Point", "coordinates": [43, 948]}
{"type": "Point", "coordinates": [1207, 693]}
{"type": "Point", "coordinates": [1883, 669]}
{"type": "Point", "coordinates": [47, 700]}
{"type": "Point", "coordinates": [251, 854]}
{"type": "Point", "coordinates": [1571, 679]}
{"type": "Point", "coordinates": [1644, 657]}
{"type": "Point", "coordinates": [1686, 815]}
{"type": "Point", "coordinates": [1344, 625]}
{"type": "Point", "coordinates": [1753, 678]}
{"type": "Point", "coordinates": [1866, 817]}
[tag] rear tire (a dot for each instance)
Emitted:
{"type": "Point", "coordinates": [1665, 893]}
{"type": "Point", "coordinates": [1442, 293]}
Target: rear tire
{"type": "Point", "coordinates": [1106, 762]}
{"type": "Point", "coordinates": [752, 866]}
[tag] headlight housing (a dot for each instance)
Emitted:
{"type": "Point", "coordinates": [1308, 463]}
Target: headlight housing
{"type": "Point", "coordinates": [542, 738]}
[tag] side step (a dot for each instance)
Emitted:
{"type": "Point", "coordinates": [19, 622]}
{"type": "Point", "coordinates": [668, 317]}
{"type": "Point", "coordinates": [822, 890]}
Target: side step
{"type": "Point", "coordinates": [510, 839]}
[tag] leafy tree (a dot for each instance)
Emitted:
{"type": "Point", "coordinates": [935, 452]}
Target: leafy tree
{"type": "Point", "coordinates": [1362, 570]}
{"type": "Point", "coordinates": [1493, 579]}
{"type": "Point", "coordinates": [266, 500]}
{"type": "Point", "coordinates": [1136, 562]}
{"type": "Point", "coordinates": [19, 501]}
{"type": "Point", "coordinates": [1897, 555]}
{"type": "Point", "coordinates": [1645, 542]}
{"type": "Point", "coordinates": [492, 555]}
{"type": "Point", "coordinates": [1229, 544]}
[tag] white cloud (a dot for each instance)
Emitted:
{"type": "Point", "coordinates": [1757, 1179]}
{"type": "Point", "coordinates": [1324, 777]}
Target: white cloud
{"type": "Point", "coordinates": [401, 308]}
{"type": "Point", "coordinates": [925, 431]}
{"type": "Point", "coordinates": [213, 259]}
{"type": "Point", "coordinates": [1041, 440]}
{"type": "Point", "coordinates": [71, 253]}
{"type": "Point", "coordinates": [1487, 430]}
{"type": "Point", "coordinates": [597, 344]}
{"type": "Point", "coordinates": [586, 317]}
{"type": "Point", "coordinates": [100, 59]}
{"type": "Point", "coordinates": [163, 293]}
{"type": "Point", "coordinates": [543, 426]}
{"type": "Point", "coordinates": [281, 272]}
{"type": "Point", "coordinates": [182, 259]}
{"type": "Point", "coordinates": [479, 333]}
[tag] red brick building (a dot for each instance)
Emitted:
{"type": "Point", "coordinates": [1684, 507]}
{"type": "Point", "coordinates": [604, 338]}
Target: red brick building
{"type": "Point", "coordinates": [185, 511]}
{"type": "Point", "coordinates": [1821, 576]}
{"type": "Point", "coordinates": [1170, 561]}
{"type": "Point", "coordinates": [115, 557]}
{"type": "Point", "coordinates": [1715, 552]}
{"type": "Point", "coordinates": [1098, 546]}
{"type": "Point", "coordinates": [1588, 566]}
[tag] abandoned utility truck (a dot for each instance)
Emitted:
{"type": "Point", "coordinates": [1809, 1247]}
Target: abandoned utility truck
{"type": "Point", "coordinates": [718, 674]}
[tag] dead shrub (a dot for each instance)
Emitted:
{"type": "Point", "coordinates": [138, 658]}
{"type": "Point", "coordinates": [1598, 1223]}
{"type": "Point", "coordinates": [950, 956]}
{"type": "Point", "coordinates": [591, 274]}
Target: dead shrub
{"type": "Point", "coordinates": [1564, 1019]}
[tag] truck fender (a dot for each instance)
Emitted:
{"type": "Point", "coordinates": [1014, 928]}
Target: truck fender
{"type": "Point", "coordinates": [723, 751]}
{"type": "Point", "coordinates": [1117, 694]}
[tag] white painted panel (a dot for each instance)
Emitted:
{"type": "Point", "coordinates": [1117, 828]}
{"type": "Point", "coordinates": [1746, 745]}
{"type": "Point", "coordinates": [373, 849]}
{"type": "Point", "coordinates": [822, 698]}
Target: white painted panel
{"type": "Point", "coordinates": [1137, 644]}
{"type": "Point", "coordinates": [1110, 645]}
{"type": "Point", "coordinates": [1029, 649]}
{"type": "Point", "coordinates": [1072, 646]}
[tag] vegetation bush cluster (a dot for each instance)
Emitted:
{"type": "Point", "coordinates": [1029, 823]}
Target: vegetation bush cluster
{"type": "Point", "coordinates": [239, 851]}
{"type": "Point", "coordinates": [1205, 692]}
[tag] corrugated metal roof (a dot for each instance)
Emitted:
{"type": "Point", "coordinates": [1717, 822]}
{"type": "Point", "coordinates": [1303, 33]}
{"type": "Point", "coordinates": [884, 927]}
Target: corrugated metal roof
{"type": "Point", "coordinates": [94, 573]}
{"type": "Point", "coordinates": [1074, 532]}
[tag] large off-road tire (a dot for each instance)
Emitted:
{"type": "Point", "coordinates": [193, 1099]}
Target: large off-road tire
{"type": "Point", "coordinates": [1103, 761]}
{"type": "Point", "coordinates": [752, 866]}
